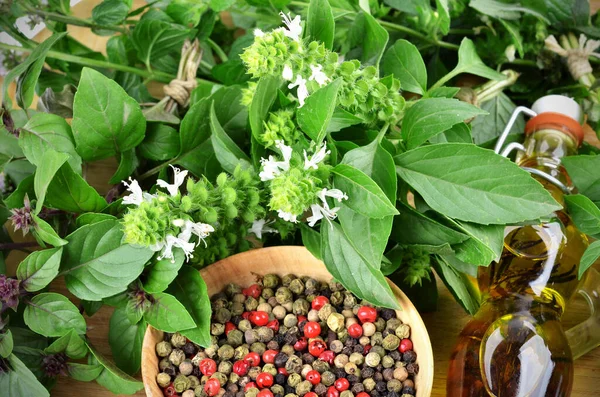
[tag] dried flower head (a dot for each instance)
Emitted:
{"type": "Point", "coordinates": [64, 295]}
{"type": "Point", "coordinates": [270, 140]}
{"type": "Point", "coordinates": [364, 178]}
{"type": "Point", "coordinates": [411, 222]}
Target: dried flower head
{"type": "Point", "coordinates": [21, 218]}
{"type": "Point", "coordinates": [55, 364]}
{"type": "Point", "coordinates": [9, 292]}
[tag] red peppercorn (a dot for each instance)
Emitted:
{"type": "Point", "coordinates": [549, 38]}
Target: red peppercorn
{"type": "Point", "coordinates": [264, 379]}
{"type": "Point", "coordinates": [316, 347]}
{"type": "Point", "coordinates": [229, 326]}
{"type": "Point", "coordinates": [170, 390]}
{"type": "Point", "coordinates": [362, 394]}
{"type": "Point", "coordinates": [212, 387]}
{"type": "Point", "coordinates": [313, 376]}
{"type": "Point", "coordinates": [241, 368]}
{"type": "Point", "coordinates": [259, 318]}
{"type": "Point", "coordinates": [366, 314]}
{"type": "Point", "coordinates": [265, 393]}
{"type": "Point", "coordinates": [252, 358]}
{"type": "Point", "coordinates": [342, 384]}
{"type": "Point", "coordinates": [355, 330]}
{"type": "Point", "coordinates": [301, 318]}
{"type": "Point", "coordinates": [405, 345]}
{"type": "Point", "coordinates": [208, 366]}
{"type": "Point", "coordinates": [327, 356]}
{"type": "Point", "coordinates": [269, 356]}
{"type": "Point", "coordinates": [282, 371]}
{"type": "Point", "coordinates": [312, 329]}
{"type": "Point", "coordinates": [319, 302]}
{"type": "Point", "coordinates": [246, 315]}
{"type": "Point", "coordinates": [254, 291]}
{"type": "Point", "coordinates": [274, 325]}
{"type": "Point", "coordinates": [311, 394]}
{"type": "Point", "coordinates": [300, 344]}
{"type": "Point", "coordinates": [250, 385]}
{"type": "Point", "coordinates": [367, 349]}
{"type": "Point", "coordinates": [332, 392]}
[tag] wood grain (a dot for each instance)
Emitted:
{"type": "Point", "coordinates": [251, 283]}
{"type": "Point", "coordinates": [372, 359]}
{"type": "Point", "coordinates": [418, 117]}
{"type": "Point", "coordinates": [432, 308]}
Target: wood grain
{"type": "Point", "coordinates": [443, 325]}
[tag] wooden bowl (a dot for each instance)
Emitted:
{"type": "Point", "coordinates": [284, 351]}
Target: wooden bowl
{"type": "Point", "coordinates": [243, 268]}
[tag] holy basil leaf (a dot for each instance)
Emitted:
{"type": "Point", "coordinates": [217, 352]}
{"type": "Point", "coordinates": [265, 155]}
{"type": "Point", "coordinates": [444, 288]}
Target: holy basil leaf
{"type": "Point", "coordinates": [515, 34]}
{"type": "Point", "coordinates": [59, 103]}
{"type": "Point", "coordinates": [47, 131]}
{"type": "Point", "coordinates": [111, 377]}
{"type": "Point", "coordinates": [190, 289]}
{"type": "Point", "coordinates": [195, 127]}
{"type": "Point", "coordinates": [68, 191]}
{"type": "Point", "coordinates": [373, 39]}
{"type": "Point", "coordinates": [71, 344]}
{"type": "Point", "coordinates": [314, 117]}
{"type": "Point", "coordinates": [442, 92]}
{"type": "Point", "coordinates": [404, 61]}
{"type": "Point", "coordinates": [51, 314]}
{"type": "Point", "coordinates": [39, 269]}
{"type": "Point", "coordinates": [469, 62]}
{"type": "Point", "coordinates": [84, 372]}
{"type": "Point", "coordinates": [161, 142]}
{"type": "Point", "coordinates": [431, 116]}
{"type": "Point", "coordinates": [488, 127]}
{"type": "Point", "coordinates": [45, 233]}
{"type": "Point", "coordinates": [125, 339]}
{"type": "Point", "coordinates": [106, 120]}
{"type": "Point", "coordinates": [342, 119]}
{"type": "Point", "coordinates": [264, 96]}
{"type": "Point", "coordinates": [583, 170]}
{"type": "Point", "coordinates": [128, 162]}
{"type": "Point", "coordinates": [349, 268]}
{"type": "Point", "coordinates": [160, 273]}
{"type": "Point", "coordinates": [232, 115]}
{"type": "Point", "coordinates": [484, 245]}
{"type": "Point", "coordinates": [228, 153]}
{"type": "Point", "coordinates": [444, 15]}
{"type": "Point", "coordinates": [6, 343]}
{"type": "Point", "coordinates": [473, 184]}
{"type": "Point", "coordinates": [585, 214]}
{"type": "Point", "coordinates": [201, 161]}
{"type": "Point", "coordinates": [591, 255]}
{"type": "Point", "coordinates": [459, 133]}
{"type": "Point", "coordinates": [52, 161]}
{"type": "Point", "coordinates": [458, 284]}
{"type": "Point", "coordinates": [154, 39]}
{"type": "Point", "coordinates": [110, 12]}
{"type": "Point", "coordinates": [90, 217]}
{"type": "Point", "coordinates": [320, 25]}
{"type": "Point", "coordinates": [311, 239]}
{"type": "Point", "coordinates": [20, 381]}
{"type": "Point", "coordinates": [364, 195]}
{"type": "Point", "coordinates": [505, 10]}
{"type": "Point", "coordinates": [97, 265]}
{"type": "Point", "coordinates": [168, 314]}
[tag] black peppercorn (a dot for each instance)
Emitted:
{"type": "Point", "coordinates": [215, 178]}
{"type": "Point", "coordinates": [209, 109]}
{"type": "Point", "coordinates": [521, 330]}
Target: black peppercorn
{"type": "Point", "coordinates": [350, 342]}
{"type": "Point", "coordinates": [367, 372]}
{"type": "Point", "coordinates": [320, 389]}
{"type": "Point", "coordinates": [347, 350]}
{"type": "Point", "coordinates": [357, 388]}
{"type": "Point", "coordinates": [393, 394]}
{"type": "Point", "coordinates": [408, 390]}
{"type": "Point", "coordinates": [381, 386]}
{"type": "Point", "coordinates": [378, 376]}
{"type": "Point", "coordinates": [352, 378]}
{"type": "Point", "coordinates": [409, 356]}
{"type": "Point", "coordinates": [280, 379]}
{"type": "Point", "coordinates": [189, 349]}
{"type": "Point", "coordinates": [387, 314]}
{"type": "Point", "coordinates": [280, 360]}
{"type": "Point", "coordinates": [396, 355]}
{"type": "Point", "coordinates": [308, 358]}
{"type": "Point", "coordinates": [358, 349]}
{"type": "Point", "coordinates": [170, 370]}
{"type": "Point", "coordinates": [412, 368]}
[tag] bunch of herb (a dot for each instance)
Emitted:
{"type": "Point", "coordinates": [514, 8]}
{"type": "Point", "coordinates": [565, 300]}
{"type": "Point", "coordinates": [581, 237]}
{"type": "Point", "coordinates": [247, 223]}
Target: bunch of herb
{"type": "Point", "coordinates": [331, 124]}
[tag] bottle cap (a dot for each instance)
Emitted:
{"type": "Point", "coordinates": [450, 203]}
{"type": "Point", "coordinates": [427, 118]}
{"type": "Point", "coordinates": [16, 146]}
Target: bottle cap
{"type": "Point", "coordinates": [558, 104]}
{"type": "Point", "coordinates": [557, 112]}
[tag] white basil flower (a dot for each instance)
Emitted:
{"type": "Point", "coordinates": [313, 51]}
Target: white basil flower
{"type": "Point", "coordinates": [202, 230]}
{"type": "Point", "coordinates": [318, 75]}
{"type": "Point", "coordinates": [316, 158]}
{"type": "Point", "coordinates": [178, 179]}
{"type": "Point", "coordinates": [137, 196]}
{"type": "Point", "coordinates": [333, 193]}
{"type": "Point", "coordinates": [260, 226]}
{"type": "Point", "coordinates": [302, 91]}
{"type": "Point", "coordinates": [271, 167]}
{"type": "Point", "coordinates": [286, 216]}
{"type": "Point", "coordinates": [294, 29]}
{"type": "Point", "coordinates": [321, 212]}
{"type": "Point", "coordinates": [288, 73]}
{"type": "Point", "coordinates": [258, 33]}
{"type": "Point", "coordinates": [176, 242]}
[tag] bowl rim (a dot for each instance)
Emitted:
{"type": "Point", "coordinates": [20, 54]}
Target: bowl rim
{"type": "Point", "coordinates": [424, 385]}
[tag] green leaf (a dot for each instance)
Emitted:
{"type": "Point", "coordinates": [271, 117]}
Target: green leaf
{"type": "Point", "coordinates": [189, 288]}
{"type": "Point", "coordinates": [458, 284]}
{"type": "Point", "coordinates": [68, 191]}
{"type": "Point", "coordinates": [44, 232]}
{"type": "Point", "coordinates": [505, 10]}
{"type": "Point", "coordinates": [46, 131]}
{"type": "Point", "coordinates": [221, 5]}
{"type": "Point", "coordinates": [29, 72]}
{"type": "Point", "coordinates": [168, 314]}
{"type": "Point", "coordinates": [20, 381]}
{"type": "Point", "coordinates": [585, 214]}
{"type": "Point", "coordinates": [95, 263]}
{"type": "Point", "coordinates": [186, 12]}
{"type": "Point", "coordinates": [90, 217]}
{"type": "Point", "coordinates": [227, 152]}
{"type": "Point", "coordinates": [444, 15]}
{"type": "Point", "coordinates": [106, 120]}
{"type": "Point", "coordinates": [311, 239]}
{"type": "Point", "coordinates": [472, 184]}
{"type": "Point", "coordinates": [127, 166]}
{"type": "Point", "coordinates": [70, 343]}
{"type": "Point", "coordinates": [364, 195]}
{"type": "Point", "coordinates": [153, 39]}
{"type": "Point", "coordinates": [16, 198]}
{"type": "Point", "coordinates": [488, 127]}
{"type": "Point", "coordinates": [51, 314]}
{"type": "Point", "coordinates": [91, 307]}
{"type": "Point", "coordinates": [515, 34]}
{"type": "Point", "coordinates": [161, 143]}
{"type": "Point", "coordinates": [84, 372]}
{"type": "Point", "coordinates": [442, 92]}
{"type": "Point", "coordinates": [160, 273]}
{"type": "Point", "coordinates": [195, 127]}
{"type": "Point", "coordinates": [314, 117]}
{"type": "Point", "coordinates": [404, 61]}
{"type": "Point", "coordinates": [320, 25]}
{"type": "Point", "coordinates": [111, 377]}
{"type": "Point", "coordinates": [39, 269]}
{"type": "Point", "coordinates": [431, 116]}
{"type": "Point", "coordinates": [264, 96]}
{"type": "Point", "coordinates": [63, 6]}
{"type": "Point", "coordinates": [414, 228]}
{"type": "Point", "coordinates": [27, 338]}
{"type": "Point", "coordinates": [591, 255]}
{"type": "Point", "coordinates": [469, 62]}
{"type": "Point", "coordinates": [125, 339]}
{"type": "Point", "coordinates": [374, 39]}
{"type": "Point", "coordinates": [342, 119]}
{"type": "Point", "coordinates": [43, 176]}
{"type": "Point", "coordinates": [59, 103]}
{"type": "Point", "coordinates": [583, 170]}
{"type": "Point", "coordinates": [110, 12]}
{"type": "Point", "coordinates": [484, 245]}
{"type": "Point", "coordinates": [459, 133]}
{"type": "Point", "coordinates": [349, 268]}
{"type": "Point", "coordinates": [6, 343]}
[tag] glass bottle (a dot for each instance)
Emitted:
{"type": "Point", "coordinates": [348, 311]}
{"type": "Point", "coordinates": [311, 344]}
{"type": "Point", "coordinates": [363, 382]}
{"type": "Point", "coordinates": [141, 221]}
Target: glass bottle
{"type": "Point", "coordinates": [515, 345]}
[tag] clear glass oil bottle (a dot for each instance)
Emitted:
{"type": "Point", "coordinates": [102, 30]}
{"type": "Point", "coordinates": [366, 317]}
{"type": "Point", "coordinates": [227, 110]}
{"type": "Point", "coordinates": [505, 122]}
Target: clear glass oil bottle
{"type": "Point", "coordinates": [515, 345]}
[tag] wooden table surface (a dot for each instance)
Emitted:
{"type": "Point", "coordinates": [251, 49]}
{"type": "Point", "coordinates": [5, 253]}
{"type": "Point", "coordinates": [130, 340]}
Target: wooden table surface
{"type": "Point", "coordinates": [443, 325]}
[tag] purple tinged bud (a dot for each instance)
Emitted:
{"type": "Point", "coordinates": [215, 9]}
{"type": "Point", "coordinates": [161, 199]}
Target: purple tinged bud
{"type": "Point", "coordinates": [9, 292]}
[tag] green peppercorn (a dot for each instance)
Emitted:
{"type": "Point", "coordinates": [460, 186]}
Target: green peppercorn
{"type": "Point", "coordinates": [237, 308]}
{"type": "Point", "coordinates": [163, 349]}
{"type": "Point", "coordinates": [270, 280]}
{"type": "Point", "coordinates": [326, 311]}
{"type": "Point", "coordinates": [239, 298]}
{"type": "Point", "coordinates": [233, 378]}
{"type": "Point", "coordinates": [293, 364]}
{"type": "Point", "coordinates": [336, 298]}
{"type": "Point", "coordinates": [222, 315]}
{"type": "Point", "coordinates": [403, 331]}
{"type": "Point", "coordinates": [301, 307]}
{"type": "Point", "coordinates": [283, 295]}
{"type": "Point", "coordinates": [235, 337]}
{"type": "Point", "coordinates": [336, 322]}
{"type": "Point", "coordinates": [340, 360]}
{"type": "Point", "coordinates": [287, 279]}
{"type": "Point", "coordinates": [320, 365]}
{"type": "Point", "coordinates": [178, 340]}
{"type": "Point", "coordinates": [364, 340]}
{"type": "Point", "coordinates": [258, 347]}
{"type": "Point", "coordinates": [296, 286]}
{"type": "Point", "coordinates": [164, 363]}
{"type": "Point", "coordinates": [387, 362]}
{"type": "Point", "coordinates": [181, 383]}
{"type": "Point", "coordinates": [369, 384]}
{"type": "Point", "coordinates": [335, 286]}
{"type": "Point", "coordinates": [377, 339]}
{"type": "Point", "coordinates": [351, 368]}
{"type": "Point", "coordinates": [343, 335]}
{"type": "Point", "coordinates": [265, 334]}
{"type": "Point", "coordinates": [392, 324]}
{"type": "Point", "coordinates": [219, 303]}
{"type": "Point", "coordinates": [394, 385]}
{"type": "Point", "coordinates": [379, 324]}
{"type": "Point", "coordinates": [288, 349]}
{"type": "Point", "coordinates": [279, 312]}
{"type": "Point", "coordinates": [251, 304]}
{"type": "Point", "coordinates": [303, 387]}
{"type": "Point", "coordinates": [225, 367]}
{"type": "Point", "coordinates": [391, 342]}
{"type": "Point", "coordinates": [372, 359]}
{"type": "Point", "coordinates": [253, 372]}
{"type": "Point", "coordinates": [222, 378]}
{"type": "Point", "coordinates": [327, 378]}
{"type": "Point", "coordinates": [198, 357]}
{"type": "Point", "coordinates": [225, 352]}
{"type": "Point", "coordinates": [346, 393]}
{"type": "Point", "coordinates": [264, 307]}
{"type": "Point", "coordinates": [270, 369]}
{"type": "Point", "coordinates": [163, 379]}
{"type": "Point", "coordinates": [241, 352]}
{"type": "Point", "coordinates": [277, 390]}
{"type": "Point", "coordinates": [294, 379]}
{"type": "Point", "coordinates": [231, 289]}
{"type": "Point", "coordinates": [194, 381]}
{"type": "Point", "coordinates": [199, 391]}
{"type": "Point", "coordinates": [176, 357]}
{"type": "Point", "coordinates": [217, 329]}
{"type": "Point", "coordinates": [290, 320]}
{"type": "Point", "coordinates": [312, 284]}
{"type": "Point", "coordinates": [288, 306]}
{"type": "Point", "coordinates": [251, 392]}
{"type": "Point", "coordinates": [186, 367]}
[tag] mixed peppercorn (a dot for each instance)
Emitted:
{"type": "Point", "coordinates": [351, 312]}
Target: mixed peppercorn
{"type": "Point", "coordinates": [290, 336]}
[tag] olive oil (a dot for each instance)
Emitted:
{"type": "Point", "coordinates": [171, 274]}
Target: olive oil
{"type": "Point", "coordinates": [515, 345]}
